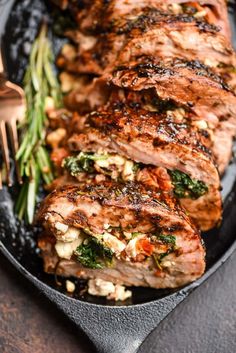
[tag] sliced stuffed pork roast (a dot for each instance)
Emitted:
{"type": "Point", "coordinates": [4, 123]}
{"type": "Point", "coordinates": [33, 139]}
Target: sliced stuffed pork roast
{"type": "Point", "coordinates": [157, 79]}
{"type": "Point", "coordinates": [129, 142]}
{"type": "Point", "coordinates": [121, 233]}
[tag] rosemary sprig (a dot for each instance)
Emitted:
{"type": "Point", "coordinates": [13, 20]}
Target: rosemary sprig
{"type": "Point", "coordinates": [39, 83]}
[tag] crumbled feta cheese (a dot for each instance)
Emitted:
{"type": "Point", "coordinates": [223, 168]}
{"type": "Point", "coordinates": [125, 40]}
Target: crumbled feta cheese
{"type": "Point", "coordinates": [61, 227]}
{"type": "Point", "coordinates": [131, 248]}
{"type": "Point", "coordinates": [117, 160]}
{"type": "Point", "coordinates": [100, 288]}
{"type": "Point", "coordinates": [201, 124]}
{"type": "Point", "coordinates": [177, 114]}
{"type": "Point", "coordinates": [175, 8]}
{"type": "Point", "coordinates": [111, 160]}
{"type": "Point", "coordinates": [200, 14]}
{"type": "Point", "coordinates": [106, 226]}
{"type": "Point", "coordinates": [107, 289]}
{"type": "Point", "coordinates": [166, 264]}
{"type": "Point", "coordinates": [71, 235]}
{"type": "Point", "coordinates": [66, 250]}
{"type": "Point", "coordinates": [116, 245]}
{"type": "Point", "coordinates": [127, 235]}
{"type": "Point", "coordinates": [70, 286]}
{"type": "Point", "coordinates": [128, 172]}
{"type": "Point", "coordinates": [120, 293]}
{"type": "Point", "coordinates": [123, 166]}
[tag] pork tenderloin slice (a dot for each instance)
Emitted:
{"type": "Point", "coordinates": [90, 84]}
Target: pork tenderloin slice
{"type": "Point", "coordinates": [152, 33]}
{"type": "Point", "coordinates": [179, 37]}
{"type": "Point", "coordinates": [132, 208]}
{"type": "Point", "coordinates": [146, 137]}
{"type": "Point", "coordinates": [182, 82]}
{"type": "Point", "coordinates": [92, 206]}
{"type": "Point", "coordinates": [91, 18]}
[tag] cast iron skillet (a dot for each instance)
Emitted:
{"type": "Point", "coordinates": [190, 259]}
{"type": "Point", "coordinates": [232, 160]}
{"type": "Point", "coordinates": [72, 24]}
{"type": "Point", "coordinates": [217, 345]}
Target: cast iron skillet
{"type": "Point", "coordinates": [112, 328]}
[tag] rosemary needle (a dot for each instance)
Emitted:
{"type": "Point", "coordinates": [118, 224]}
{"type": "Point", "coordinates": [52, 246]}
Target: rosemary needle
{"type": "Point", "coordinates": [40, 82]}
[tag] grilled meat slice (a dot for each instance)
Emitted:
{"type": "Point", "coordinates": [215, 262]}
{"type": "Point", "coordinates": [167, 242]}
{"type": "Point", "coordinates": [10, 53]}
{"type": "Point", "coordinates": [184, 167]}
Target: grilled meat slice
{"type": "Point", "coordinates": [182, 81]}
{"type": "Point", "coordinates": [154, 33]}
{"type": "Point", "coordinates": [166, 36]}
{"type": "Point", "coordinates": [143, 232]}
{"type": "Point", "coordinates": [91, 17]}
{"type": "Point", "coordinates": [158, 140]}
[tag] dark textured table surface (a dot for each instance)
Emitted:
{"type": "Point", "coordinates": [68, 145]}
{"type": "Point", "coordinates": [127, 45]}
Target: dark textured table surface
{"type": "Point", "coordinates": [204, 323]}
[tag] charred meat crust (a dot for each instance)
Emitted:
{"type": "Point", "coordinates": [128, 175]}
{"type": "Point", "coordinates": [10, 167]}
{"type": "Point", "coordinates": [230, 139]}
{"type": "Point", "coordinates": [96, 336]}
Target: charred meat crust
{"type": "Point", "coordinates": [90, 16]}
{"type": "Point", "coordinates": [90, 206]}
{"type": "Point", "coordinates": [121, 42]}
{"type": "Point", "coordinates": [129, 118]}
{"type": "Point", "coordinates": [131, 196]}
{"type": "Point", "coordinates": [144, 137]}
{"type": "Point", "coordinates": [182, 81]}
{"type": "Point", "coordinates": [149, 67]}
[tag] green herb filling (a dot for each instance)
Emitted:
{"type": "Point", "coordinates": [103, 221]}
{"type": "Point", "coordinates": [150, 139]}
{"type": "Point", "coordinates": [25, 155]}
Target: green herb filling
{"type": "Point", "coordinates": [93, 254]}
{"type": "Point", "coordinates": [185, 187]}
{"type": "Point", "coordinates": [84, 162]}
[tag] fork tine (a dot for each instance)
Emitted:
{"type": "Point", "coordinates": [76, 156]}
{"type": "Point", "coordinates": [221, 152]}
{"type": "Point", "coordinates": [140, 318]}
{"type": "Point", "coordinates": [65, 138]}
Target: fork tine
{"type": "Point", "coordinates": [0, 180]}
{"type": "Point", "coordinates": [15, 146]}
{"type": "Point", "coordinates": [5, 151]}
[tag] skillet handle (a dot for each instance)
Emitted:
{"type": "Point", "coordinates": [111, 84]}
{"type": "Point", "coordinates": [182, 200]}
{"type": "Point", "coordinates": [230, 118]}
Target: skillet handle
{"type": "Point", "coordinates": [116, 329]}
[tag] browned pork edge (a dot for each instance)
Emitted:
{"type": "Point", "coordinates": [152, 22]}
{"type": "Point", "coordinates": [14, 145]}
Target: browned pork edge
{"type": "Point", "coordinates": [92, 16]}
{"type": "Point", "coordinates": [182, 81]}
{"type": "Point", "coordinates": [134, 207]}
{"type": "Point", "coordinates": [151, 33]}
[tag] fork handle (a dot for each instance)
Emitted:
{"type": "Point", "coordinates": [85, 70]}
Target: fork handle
{"type": "Point", "coordinates": [2, 71]}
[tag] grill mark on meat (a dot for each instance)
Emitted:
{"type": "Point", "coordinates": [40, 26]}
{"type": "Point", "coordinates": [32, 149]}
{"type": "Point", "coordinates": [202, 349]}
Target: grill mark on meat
{"type": "Point", "coordinates": [183, 82]}
{"type": "Point", "coordinates": [143, 124]}
{"type": "Point", "coordinates": [118, 35]}
{"type": "Point", "coordinates": [147, 69]}
{"type": "Point", "coordinates": [152, 16]}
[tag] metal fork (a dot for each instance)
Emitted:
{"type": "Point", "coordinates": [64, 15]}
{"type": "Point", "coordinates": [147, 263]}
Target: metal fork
{"type": "Point", "coordinates": [12, 110]}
